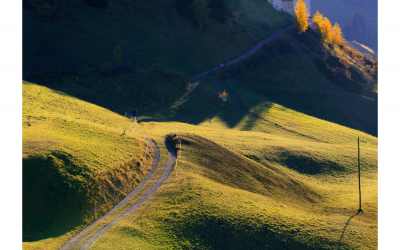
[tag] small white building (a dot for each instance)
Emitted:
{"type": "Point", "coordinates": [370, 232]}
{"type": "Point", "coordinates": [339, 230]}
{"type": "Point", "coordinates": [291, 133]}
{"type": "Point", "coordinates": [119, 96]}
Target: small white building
{"type": "Point", "coordinates": [288, 5]}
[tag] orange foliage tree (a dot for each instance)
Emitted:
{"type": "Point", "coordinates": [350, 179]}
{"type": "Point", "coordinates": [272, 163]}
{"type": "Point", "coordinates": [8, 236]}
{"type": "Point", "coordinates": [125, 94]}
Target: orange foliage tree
{"type": "Point", "coordinates": [326, 29]}
{"type": "Point", "coordinates": [318, 18]}
{"type": "Point", "coordinates": [336, 35]}
{"type": "Point", "coordinates": [224, 94]}
{"type": "Point", "coordinates": [301, 16]}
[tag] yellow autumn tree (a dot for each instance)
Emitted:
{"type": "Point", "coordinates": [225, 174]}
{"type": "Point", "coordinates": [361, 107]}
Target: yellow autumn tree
{"type": "Point", "coordinates": [318, 19]}
{"type": "Point", "coordinates": [224, 94]}
{"type": "Point", "coordinates": [301, 16]}
{"type": "Point", "coordinates": [336, 35]}
{"type": "Point", "coordinates": [326, 29]}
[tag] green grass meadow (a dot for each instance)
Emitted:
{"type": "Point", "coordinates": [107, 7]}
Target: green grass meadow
{"type": "Point", "coordinates": [273, 167]}
{"type": "Point", "coordinates": [74, 155]}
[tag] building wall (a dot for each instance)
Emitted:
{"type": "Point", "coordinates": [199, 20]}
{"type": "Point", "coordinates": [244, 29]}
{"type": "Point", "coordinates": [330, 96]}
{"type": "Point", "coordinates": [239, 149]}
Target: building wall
{"type": "Point", "coordinates": [288, 6]}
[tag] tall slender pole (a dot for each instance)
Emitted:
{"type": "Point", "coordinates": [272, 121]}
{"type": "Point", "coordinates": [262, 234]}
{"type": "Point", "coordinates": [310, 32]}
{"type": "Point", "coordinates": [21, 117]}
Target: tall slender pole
{"type": "Point", "coordinates": [359, 173]}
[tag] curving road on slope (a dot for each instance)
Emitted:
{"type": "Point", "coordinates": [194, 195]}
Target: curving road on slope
{"type": "Point", "coordinates": [77, 239]}
{"type": "Point", "coordinates": [72, 243]}
{"type": "Point", "coordinates": [245, 55]}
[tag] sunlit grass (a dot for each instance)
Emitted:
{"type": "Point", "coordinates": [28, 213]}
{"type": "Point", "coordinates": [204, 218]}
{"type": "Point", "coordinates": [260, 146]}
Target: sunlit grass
{"type": "Point", "coordinates": [365, 47]}
{"type": "Point", "coordinates": [198, 211]}
{"type": "Point", "coordinates": [81, 152]}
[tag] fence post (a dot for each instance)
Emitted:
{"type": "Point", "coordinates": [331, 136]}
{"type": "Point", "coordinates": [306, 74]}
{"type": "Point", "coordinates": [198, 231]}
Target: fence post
{"type": "Point", "coordinates": [359, 174]}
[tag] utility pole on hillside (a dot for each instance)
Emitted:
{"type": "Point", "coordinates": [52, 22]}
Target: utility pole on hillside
{"type": "Point", "coordinates": [359, 174]}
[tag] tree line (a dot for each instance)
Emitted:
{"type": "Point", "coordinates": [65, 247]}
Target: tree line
{"type": "Point", "coordinates": [328, 33]}
{"type": "Point", "coordinates": [333, 36]}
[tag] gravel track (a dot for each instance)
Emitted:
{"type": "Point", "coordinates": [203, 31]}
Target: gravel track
{"type": "Point", "coordinates": [77, 239]}
{"type": "Point", "coordinates": [168, 168]}
{"type": "Point", "coordinates": [73, 242]}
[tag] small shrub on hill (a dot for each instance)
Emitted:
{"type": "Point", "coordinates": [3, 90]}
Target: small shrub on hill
{"type": "Point", "coordinates": [344, 62]}
{"type": "Point", "coordinates": [223, 94]}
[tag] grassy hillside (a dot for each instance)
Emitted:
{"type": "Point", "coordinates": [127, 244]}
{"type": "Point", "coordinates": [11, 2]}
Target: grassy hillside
{"type": "Point", "coordinates": [255, 173]}
{"type": "Point", "coordinates": [155, 36]}
{"type": "Point", "coordinates": [154, 40]}
{"type": "Point", "coordinates": [221, 199]}
{"type": "Point", "coordinates": [272, 167]}
{"type": "Point", "coordinates": [292, 71]}
{"type": "Point", "coordinates": [74, 155]}
{"type": "Point", "coordinates": [268, 177]}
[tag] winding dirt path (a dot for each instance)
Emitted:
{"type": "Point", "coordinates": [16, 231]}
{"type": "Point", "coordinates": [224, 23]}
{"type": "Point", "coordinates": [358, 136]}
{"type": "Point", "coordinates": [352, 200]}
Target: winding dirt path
{"type": "Point", "coordinates": [247, 54]}
{"type": "Point", "coordinates": [77, 239]}
{"type": "Point", "coordinates": [252, 50]}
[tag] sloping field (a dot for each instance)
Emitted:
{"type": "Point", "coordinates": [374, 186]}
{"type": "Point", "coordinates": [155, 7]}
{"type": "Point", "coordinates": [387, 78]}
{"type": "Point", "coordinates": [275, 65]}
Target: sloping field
{"type": "Point", "coordinates": [220, 199]}
{"type": "Point", "coordinates": [154, 34]}
{"type": "Point", "coordinates": [74, 155]}
{"type": "Point", "coordinates": [292, 70]}
{"type": "Point", "coordinates": [275, 179]}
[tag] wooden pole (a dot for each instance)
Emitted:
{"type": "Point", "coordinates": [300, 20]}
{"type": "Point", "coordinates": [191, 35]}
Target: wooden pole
{"type": "Point", "coordinates": [359, 174]}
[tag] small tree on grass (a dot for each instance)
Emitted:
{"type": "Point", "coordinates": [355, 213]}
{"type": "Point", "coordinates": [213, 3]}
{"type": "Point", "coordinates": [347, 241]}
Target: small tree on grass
{"type": "Point", "coordinates": [301, 16]}
{"type": "Point", "coordinates": [201, 13]}
{"type": "Point", "coordinates": [223, 94]}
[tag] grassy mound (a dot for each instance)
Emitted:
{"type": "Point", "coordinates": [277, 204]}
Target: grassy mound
{"type": "Point", "coordinates": [74, 155]}
{"type": "Point", "coordinates": [216, 201]}
{"type": "Point", "coordinates": [228, 168]}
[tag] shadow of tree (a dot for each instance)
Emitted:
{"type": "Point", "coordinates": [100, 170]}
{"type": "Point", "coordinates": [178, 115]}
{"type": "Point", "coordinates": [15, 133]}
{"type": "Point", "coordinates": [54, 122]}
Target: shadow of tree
{"type": "Point", "coordinates": [345, 227]}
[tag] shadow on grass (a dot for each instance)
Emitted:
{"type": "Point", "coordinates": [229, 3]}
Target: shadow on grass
{"type": "Point", "coordinates": [307, 164]}
{"type": "Point", "coordinates": [206, 105]}
{"type": "Point", "coordinates": [345, 227]}
{"type": "Point", "coordinates": [214, 231]}
{"type": "Point", "coordinates": [53, 203]}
